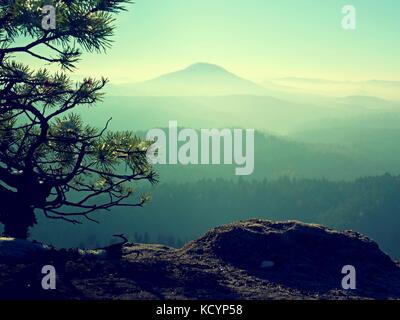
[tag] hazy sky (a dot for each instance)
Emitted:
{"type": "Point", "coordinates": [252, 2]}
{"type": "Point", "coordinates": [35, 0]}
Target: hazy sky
{"type": "Point", "coordinates": [257, 39]}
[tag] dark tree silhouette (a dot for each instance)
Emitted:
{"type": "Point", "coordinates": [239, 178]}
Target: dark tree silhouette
{"type": "Point", "coordinates": [47, 153]}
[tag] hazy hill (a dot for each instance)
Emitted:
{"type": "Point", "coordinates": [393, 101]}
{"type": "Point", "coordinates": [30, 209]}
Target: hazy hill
{"type": "Point", "coordinates": [374, 136]}
{"type": "Point", "coordinates": [316, 155]}
{"type": "Point", "coordinates": [276, 157]}
{"type": "Point", "coordinates": [389, 90]}
{"type": "Point", "coordinates": [369, 103]}
{"type": "Point", "coordinates": [264, 113]}
{"type": "Point", "coordinates": [200, 79]}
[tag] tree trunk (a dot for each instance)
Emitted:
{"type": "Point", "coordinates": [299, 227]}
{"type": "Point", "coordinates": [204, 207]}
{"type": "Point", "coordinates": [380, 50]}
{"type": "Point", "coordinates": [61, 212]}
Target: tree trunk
{"type": "Point", "coordinates": [16, 217]}
{"type": "Point", "coordinates": [18, 228]}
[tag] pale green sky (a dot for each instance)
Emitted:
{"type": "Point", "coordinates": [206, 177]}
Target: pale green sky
{"type": "Point", "coordinates": [256, 39]}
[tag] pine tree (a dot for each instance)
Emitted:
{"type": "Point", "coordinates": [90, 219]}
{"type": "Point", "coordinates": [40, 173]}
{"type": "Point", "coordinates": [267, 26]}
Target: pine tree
{"type": "Point", "coordinates": [47, 153]}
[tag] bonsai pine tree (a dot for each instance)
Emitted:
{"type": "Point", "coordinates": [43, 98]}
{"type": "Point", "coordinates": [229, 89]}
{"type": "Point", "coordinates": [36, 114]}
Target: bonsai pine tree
{"type": "Point", "coordinates": [50, 161]}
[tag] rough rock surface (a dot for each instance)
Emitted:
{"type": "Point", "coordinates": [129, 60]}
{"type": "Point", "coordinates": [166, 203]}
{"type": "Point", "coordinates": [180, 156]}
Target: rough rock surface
{"type": "Point", "coordinates": [18, 250]}
{"type": "Point", "coordinates": [253, 259]}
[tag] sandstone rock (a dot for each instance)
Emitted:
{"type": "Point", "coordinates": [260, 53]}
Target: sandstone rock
{"type": "Point", "coordinates": [300, 255]}
{"type": "Point", "coordinates": [255, 259]}
{"type": "Point", "coordinates": [20, 250]}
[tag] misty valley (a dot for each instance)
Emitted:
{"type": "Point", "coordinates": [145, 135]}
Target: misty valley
{"type": "Point", "coordinates": [333, 162]}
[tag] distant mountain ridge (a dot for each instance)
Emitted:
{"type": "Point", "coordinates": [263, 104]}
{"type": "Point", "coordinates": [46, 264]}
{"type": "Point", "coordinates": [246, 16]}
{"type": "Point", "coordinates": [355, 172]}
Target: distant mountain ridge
{"type": "Point", "coordinates": [207, 79]}
{"type": "Point", "coordinates": [384, 89]}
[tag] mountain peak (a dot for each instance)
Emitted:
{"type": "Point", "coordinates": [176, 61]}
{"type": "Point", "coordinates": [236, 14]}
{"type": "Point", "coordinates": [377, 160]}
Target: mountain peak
{"type": "Point", "coordinates": [200, 79]}
{"type": "Point", "coordinates": [206, 67]}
